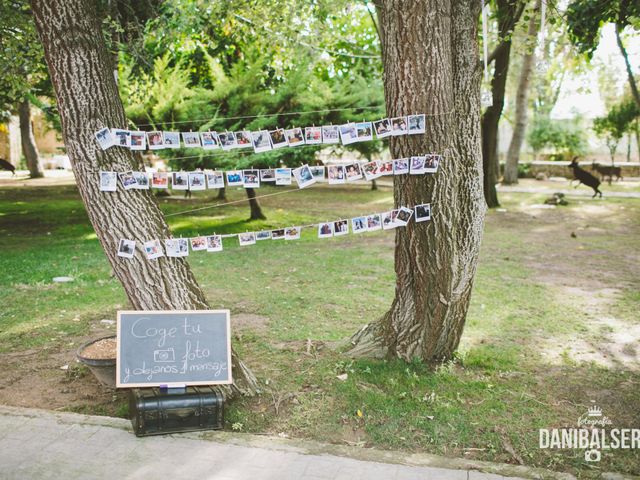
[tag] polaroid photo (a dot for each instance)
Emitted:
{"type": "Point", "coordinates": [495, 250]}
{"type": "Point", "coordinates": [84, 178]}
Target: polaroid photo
{"type": "Point", "coordinates": [247, 238]}
{"type": "Point", "coordinates": [153, 249]}
{"type": "Point", "coordinates": [278, 138]}
{"type": "Point", "coordinates": [294, 137]}
{"type": "Point", "coordinates": [336, 174]}
{"type": "Point", "coordinates": [197, 181]}
{"type": "Point", "coordinates": [364, 131]}
{"type": "Point", "coordinates": [234, 178]}
{"type": "Point", "coordinates": [386, 168]}
{"type": "Point", "coordinates": [431, 163]}
{"type": "Point", "coordinates": [303, 176]}
{"type": "Point", "coordinates": [399, 126]}
{"type": "Point", "coordinates": [263, 235]}
{"type": "Point", "coordinates": [403, 216]}
{"type": "Point", "coordinates": [180, 181]}
{"type": "Point", "coordinates": [171, 139]}
{"type": "Point", "coordinates": [348, 133]}
{"type": "Point", "coordinates": [191, 139]}
{"type": "Point", "coordinates": [417, 165]}
{"type": "Point", "coordinates": [267, 175]}
{"type": "Point", "coordinates": [104, 138]}
{"type": "Point", "coordinates": [243, 139]}
{"type": "Point", "coordinates": [317, 172]}
{"type": "Point", "coordinates": [353, 172]}
{"type": "Point", "coordinates": [313, 135]}
{"type": "Point", "coordinates": [215, 179]}
{"type": "Point", "coordinates": [159, 180]}
{"type": "Point", "coordinates": [198, 243]}
{"type": "Point", "coordinates": [126, 248]}
{"type": "Point", "coordinates": [209, 140]}
{"type": "Point", "coordinates": [108, 181]}
{"type": "Point", "coordinates": [382, 128]}
{"type": "Point", "coordinates": [261, 141]}
{"type": "Point", "coordinates": [292, 233]}
{"type": "Point", "coordinates": [330, 134]}
{"type": "Point", "coordinates": [122, 137]}
{"type": "Point", "coordinates": [371, 170]}
{"type": "Point", "coordinates": [277, 234]}
{"type": "Point", "coordinates": [423, 212]}
{"type": "Point", "coordinates": [374, 222]}
{"type": "Point", "coordinates": [138, 141]}
{"type": "Point", "coordinates": [214, 243]}
{"type": "Point", "coordinates": [416, 124]}
{"type": "Point", "coordinates": [325, 230]}
{"type": "Point", "coordinates": [359, 224]}
{"type": "Point", "coordinates": [155, 141]}
{"type": "Point", "coordinates": [283, 176]}
{"type": "Point", "coordinates": [401, 166]}
{"type": "Point", "coordinates": [227, 140]}
{"type": "Point", "coordinates": [388, 220]}
{"type": "Point", "coordinates": [142, 180]}
{"type": "Point", "coordinates": [251, 178]}
{"type": "Point", "coordinates": [176, 247]}
{"type": "Point", "coordinates": [340, 227]}
{"type": "Point", "coordinates": [128, 180]}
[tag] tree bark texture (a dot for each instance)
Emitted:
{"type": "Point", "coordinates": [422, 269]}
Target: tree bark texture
{"type": "Point", "coordinates": [256, 211]}
{"type": "Point", "coordinates": [80, 70]}
{"type": "Point", "coordinates": [28, 141]}
{"type": "Point", "coordinates": [508, 13]}
{"type": "Point", "coordinates": [430, 65]}
{"type": "Point", "coordinates": [510, 176]}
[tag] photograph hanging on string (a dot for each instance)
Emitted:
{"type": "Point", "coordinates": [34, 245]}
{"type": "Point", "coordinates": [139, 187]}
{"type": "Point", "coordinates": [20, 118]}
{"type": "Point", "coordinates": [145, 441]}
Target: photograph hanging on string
{"type": "Point", "coordinates": [191, 139]}
{"type": "Point", "coordinates": [180, 181]}
{"type": "Point", "coordinates": [251, 178]}
{"type": "Point", "coordinates": [278, 138]}
{"type": "Point", "coordinates": [386, 168]}
{"type": "Point", "coordinates": [267, 175]}
{"type": "Point", "coordinates": [138, 141]}
{"type": "Point", "coordinates": [261, 141]}
{"type": "Point", "coordinates": [247, 238]}
{"type": "Point", "coordinates": [336, 174]}
{"type": "Point", "coordinates": [401, 166]}
{"type": "Point", "coordinates": [126, 248]}
{"type": "Point", "coordinates": [234, 178]}
{"type": "Point", "coordinates": [215, 179]}
{"type": "Point", "coordinates": [176, 247]}
{"type": "Point", "coordinates": [159, 180]}
{"type": "Point", "coordinates": [423, 212]}
{"type": "Point", "coordinates": [153, 249]}
{"type": "Point", "coordinates": [399, 126]}
{"type": "Point", "coordinates": [171, 139]}
{"type": "Point", "coordinates": [318, 172]}
{"type": "Point", "coordinates": [330, 134]}
{"type": "Point", "coordinates": [243, 139]}
{"type": "Point", "coordinates": [263, 235]}
{"type": "Point", "coordinates": [155, 140]}
{"type": "Point", "coordinates": [431, 163]}
{"type": "Point", "coordinates": [353, 172]}
{"type": "Point", "coordinates": [403, 216]}
{"type": "Point", "coordinates": [128, 180]}
{"type": "Point", "coordinates": [292, 233]}
{"type": "Point", "coordinates": [197, 181]}
{"type": "Point", "coordinates": [340, 227]}
{"type": "Point", "coordinates": [364, 131]}
{"type": "Point", "coordinates": [277, 234]}
{"type": "Point", "coordinates": [416, 124]}
{"type": "Point", "coordinates": [371, 170]}
{"type": "Point", "coordinates": [122, 137]}
{"type": "Point", "coordinates": [104, 138]}
{"type": "Point", "coordinates": [303, 176]}
{"type": "Point", "coordinates": [348, 133]}
{"type": "Point", "coordinates": [214, 243]}
{"type": "Point", "coordinates": [209, 140]}
{"type": "Point", "coordinates": [142, 180]}
{"type": "Point", "coordinates": [382, 128]}
{"type": "Point", "coordinates": [294, 137]}
{"type": "Point", "coordinates": [108, 181]}
{"type": "Point", "coordinates": [283, 176]}
{"type": "Point", "coordinates": [359, 224]}
{"type": "Point", "coordinates": [227, 140]}
{"type": "Point", "coordinates": [388, 220]}
{"type": "Point", "coordinates": [417, 165]}
{"type": "Point", "coordinates": [198, 243]}
{"type": "Point", "coordinates": [325, 230]}
{"type": "Point", "coordinates": [313, 135]}
{"type": "Point", "coordinates": [374, 222]}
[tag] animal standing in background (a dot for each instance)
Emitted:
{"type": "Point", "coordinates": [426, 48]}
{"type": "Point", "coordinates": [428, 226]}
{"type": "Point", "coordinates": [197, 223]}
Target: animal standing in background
{"type": "Point", "coordinates": [607, 171]}
{"type": "Point", "coordinates": [7, 166]}
{"type": "Point", "coordinates": [584, 177]}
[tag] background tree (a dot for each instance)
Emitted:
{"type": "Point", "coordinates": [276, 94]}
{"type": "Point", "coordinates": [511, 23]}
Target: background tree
{"type": "Point", "coordinates": [426, 49]}
{"type": "Point", "coordinates": [75, 51]}
{"type": "Point", "coordinates": [621, 118]}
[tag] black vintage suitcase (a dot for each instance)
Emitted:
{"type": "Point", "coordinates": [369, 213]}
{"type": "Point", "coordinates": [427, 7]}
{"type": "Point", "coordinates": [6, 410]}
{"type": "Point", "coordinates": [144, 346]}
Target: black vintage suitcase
{"type": "Point", "coordinates": [155, 413]}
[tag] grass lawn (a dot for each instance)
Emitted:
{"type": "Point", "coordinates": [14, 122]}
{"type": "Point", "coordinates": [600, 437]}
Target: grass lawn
{"type": "Point", "coordinates": [552, 325]}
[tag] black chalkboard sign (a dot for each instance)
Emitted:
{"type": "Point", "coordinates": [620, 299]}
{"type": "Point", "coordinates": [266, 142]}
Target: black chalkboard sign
{"type": "Point", "coordinates": [173, 348]}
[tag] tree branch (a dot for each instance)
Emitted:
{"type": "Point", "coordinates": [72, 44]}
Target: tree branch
{"type": "Point", "coordinates": [632, 80]}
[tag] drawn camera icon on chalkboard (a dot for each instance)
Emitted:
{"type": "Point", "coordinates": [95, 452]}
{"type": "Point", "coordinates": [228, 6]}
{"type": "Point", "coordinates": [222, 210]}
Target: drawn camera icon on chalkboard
{"type": "Point", "coordinates": [162, 356]}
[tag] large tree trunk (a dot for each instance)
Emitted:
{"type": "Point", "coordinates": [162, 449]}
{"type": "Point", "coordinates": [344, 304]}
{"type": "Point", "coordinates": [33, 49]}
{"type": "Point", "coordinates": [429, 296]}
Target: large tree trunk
{"type": "Point", "coordinates": [80, 70]}
{"type": "Point", "coordinates": [256, 211]}
{"type": "Point", "coordinates": [522, 101]}
{"type": "Point", "coordinates": [29, 148]}
{"type": "Point", "coordinates": [429, 51]}
{"type": "Point", "coordinates": [508, 13]}
{"type": "Point", "coordinates": [222, 194]}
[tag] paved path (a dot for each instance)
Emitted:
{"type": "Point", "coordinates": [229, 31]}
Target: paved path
{"type": "Point", "coordinates": [36, 444]}
{"type": "Point", "coordinates": [570, 192]}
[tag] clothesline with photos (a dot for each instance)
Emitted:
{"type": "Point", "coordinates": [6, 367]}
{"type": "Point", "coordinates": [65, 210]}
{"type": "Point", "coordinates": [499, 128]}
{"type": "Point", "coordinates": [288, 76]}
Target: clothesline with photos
{"type": "Point", "coordinates": [179, 247]}
{"type": "Point", "coordinates": [252, 178]}
{"type": "Point", "coordinates": [262, 140]}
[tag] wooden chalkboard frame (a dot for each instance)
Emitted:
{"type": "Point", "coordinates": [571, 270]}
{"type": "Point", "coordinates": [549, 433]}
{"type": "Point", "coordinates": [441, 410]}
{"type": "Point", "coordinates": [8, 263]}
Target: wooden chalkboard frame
{"type": "Point", "coordinates": [227, 314]}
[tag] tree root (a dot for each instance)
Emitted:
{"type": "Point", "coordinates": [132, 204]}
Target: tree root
{"type": "Point", "coordinates": [368, 343]}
